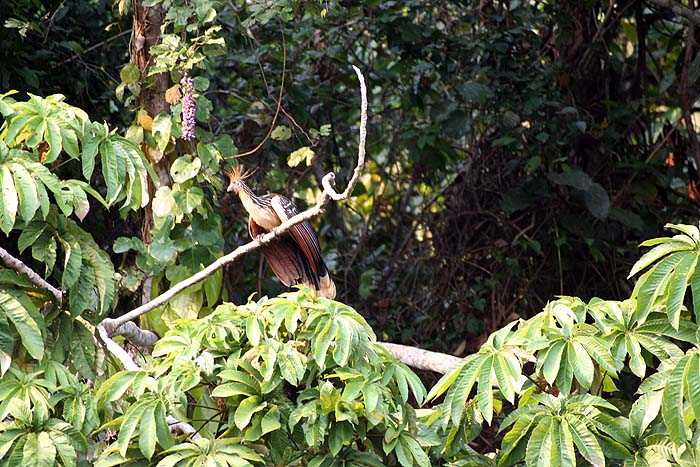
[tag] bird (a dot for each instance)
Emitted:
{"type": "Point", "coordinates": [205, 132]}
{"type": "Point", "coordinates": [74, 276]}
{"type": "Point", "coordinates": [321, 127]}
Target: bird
{"type": "Point", "coordinates": [295, 256]}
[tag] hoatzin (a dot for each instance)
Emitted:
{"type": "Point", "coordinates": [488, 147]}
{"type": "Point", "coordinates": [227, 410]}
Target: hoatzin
{"type": "Point", "coordinates": [295, 256]}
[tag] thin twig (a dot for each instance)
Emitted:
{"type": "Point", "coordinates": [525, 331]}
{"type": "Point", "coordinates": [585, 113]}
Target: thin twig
{"type": "Point", "coordinates": [95, 46]}
{"type": "Point", "coordinates": [327, 194]}
{"type": "Point", "coordinates": [279, 105]}
{"type": "Point", "coordinates": [16, 264]}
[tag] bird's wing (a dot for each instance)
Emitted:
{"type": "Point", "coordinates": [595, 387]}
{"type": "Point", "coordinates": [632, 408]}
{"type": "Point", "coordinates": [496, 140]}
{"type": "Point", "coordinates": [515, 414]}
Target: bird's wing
{"type": "Point", "coordinates": [286, 259]}
{"type": "Point", "coordinates": [302, 233]}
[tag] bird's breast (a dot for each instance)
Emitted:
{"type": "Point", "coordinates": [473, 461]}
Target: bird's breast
{"type": "Point", "coordinates": [265, 217]}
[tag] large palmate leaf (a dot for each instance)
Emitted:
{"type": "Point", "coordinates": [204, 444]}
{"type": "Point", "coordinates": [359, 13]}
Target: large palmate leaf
{"type": "Point", "coordinates": [498, 360]}
{"type": "Point", "coordinates": [554, 430]}
{"type": "Point", "coordinates": [569, 349]}
{"type": "Point", "coordinates": [220, 452]}
{"type": "Point", "coordinates": [671, 267]}
{"type": "Point", "coordinates": [87, 273]}
{"type": "Point", "coordinates": [35, 133]}
{"type": "Point", "coordinates": [633, 340]}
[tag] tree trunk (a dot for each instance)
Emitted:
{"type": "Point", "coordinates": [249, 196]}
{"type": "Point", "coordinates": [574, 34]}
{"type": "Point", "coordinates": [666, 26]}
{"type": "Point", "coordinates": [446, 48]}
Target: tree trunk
{"type": "Point", "coordinates": [151, 98]}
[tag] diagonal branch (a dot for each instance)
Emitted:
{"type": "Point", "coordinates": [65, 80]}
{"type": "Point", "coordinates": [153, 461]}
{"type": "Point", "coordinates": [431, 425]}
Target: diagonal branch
{"type": "Point", "coordinates": [111, 325]}
{"type": "Point", "coordinates": [16, 264]}
{"type": "Point", "coordinates": [679, 9]}
{"type": "Point", "coordinates": [421, 359]}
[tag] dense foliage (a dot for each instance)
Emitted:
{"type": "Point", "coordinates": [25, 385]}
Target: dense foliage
{"type": "Point", "coordinates": [517, 151]}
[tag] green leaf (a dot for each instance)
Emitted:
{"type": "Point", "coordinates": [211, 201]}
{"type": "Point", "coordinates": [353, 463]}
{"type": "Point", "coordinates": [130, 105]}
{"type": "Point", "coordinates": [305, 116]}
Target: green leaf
{"type": "Point", "coordinates": [90, 142]}
{"type": "Point", "coordinates": [73, 261]}
{"type": "Point", "coordinates": [692, 374]}
{"type": "Point", "coordinates": [110, 170]}
{"type": "Point", "coordinates": [653, 283]}
{"type": "Point", "coordinates": [597, 200]}
{"type": "Point", "coordinates": [15, 309]}
{"type": "Point", "coordinates": [29, 235]}
{"type": "Point", "coordinates": [130, 74]}
{"type": "Point", "coordinates": [115, 387]}
{"type": "Point", "coordinates": [411, 445]}
{"type": "Point", "coordinates": [581, 363]}
{"type": "Point", "coordinates": [403, 455]}
{"type": "Point", "coordinates": [162, 126]}
{"type": "Point", "coordinates": [585, 441]}
{"type": "Point", "coordinates": [246, 409]}
{"type": "Point", "coordinates": [503, 141]}
{"type": "Point", "coordinates": [54, 139]}
{"type": "Point", "coordinates": [129, 425]}
{"type": "Point", "coordinates": [303, 154]}
{"type": "Point", "coordinates": [9, 201]}
{"type": "Point", "coordinates": [672, 408]}
{"type": "Point", "coordinates": [564, 442]}
{"type": "Point", "coordinates": [678, 283]}
{"type": "Point", "coordinates": [65, 449]}
{"type": "Point", "coordinates": [656, 253]}
{"type": "Point", "coordinates": [82, 350]}
{"type": "Point", "coordinates": [552, 361]}
{"type": "Point", "coordinates": [39, 450]}
{"type": "Point", "coordinates": [281, 133]}
{"type": "Point", "coordinates": [27, 193]}
{"type": "Point", "coordinates": [539, 447]}
{"type": "Point", "coordinates": [484, 390]}
{"type": "Point", "coordinates": [147, 432]}
{"type": "Point", "coordinates": [185, 168]}
{"type": "Point", "coordinates": [70, 142]}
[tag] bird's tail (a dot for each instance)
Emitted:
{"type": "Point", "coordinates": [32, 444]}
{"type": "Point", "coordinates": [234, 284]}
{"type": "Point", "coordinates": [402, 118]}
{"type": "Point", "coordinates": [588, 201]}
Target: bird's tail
{"type": "Point", "coordinates": [326, 286]}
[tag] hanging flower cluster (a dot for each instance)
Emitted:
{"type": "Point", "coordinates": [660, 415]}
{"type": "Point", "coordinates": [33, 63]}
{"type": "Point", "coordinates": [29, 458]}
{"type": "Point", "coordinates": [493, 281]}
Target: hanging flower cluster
{"type": "Point", "coordinates": [188, 108]}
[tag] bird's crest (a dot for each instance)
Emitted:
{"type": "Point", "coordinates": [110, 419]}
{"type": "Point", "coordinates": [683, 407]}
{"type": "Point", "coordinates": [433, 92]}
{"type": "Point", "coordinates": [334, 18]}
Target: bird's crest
{"type": "Point", "coordinates": [237, 173]}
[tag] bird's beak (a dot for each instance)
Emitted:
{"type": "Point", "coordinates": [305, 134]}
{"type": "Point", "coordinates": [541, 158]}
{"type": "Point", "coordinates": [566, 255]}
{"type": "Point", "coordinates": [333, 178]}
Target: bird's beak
{"type": "Point", "coordinates": [230, 187]}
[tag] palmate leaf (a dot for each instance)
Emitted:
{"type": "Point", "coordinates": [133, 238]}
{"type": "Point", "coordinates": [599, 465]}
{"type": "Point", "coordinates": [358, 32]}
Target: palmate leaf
{"type": "Point", "coordinates": [579, 355]}
{"type": "Point", "coordinates": [496, 357]}
{"type": "Point", "coordinates": [88, 273]}
{"type": "Point", "coordinates": [627, 338]}
{"type": "Point", "coordinates": [672, 267]}
{"type": "Point", "coordinates": [145, 419]}
{"type": "Point", "coordinates": [202, 451]}
{"type": "Point", "coordinates": [336, 325]}
{"type": "Point", "coordinates": [552, 431]}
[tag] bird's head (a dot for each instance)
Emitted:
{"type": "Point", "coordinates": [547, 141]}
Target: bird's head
{"type": "Point", "coordinates": [236, 177]}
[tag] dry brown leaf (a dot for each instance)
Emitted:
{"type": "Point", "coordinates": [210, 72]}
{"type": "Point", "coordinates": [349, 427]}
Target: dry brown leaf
{"type": "Point", "coordinates": [145, 120]}
{"type": "Point", "coordinates": [173, 95]}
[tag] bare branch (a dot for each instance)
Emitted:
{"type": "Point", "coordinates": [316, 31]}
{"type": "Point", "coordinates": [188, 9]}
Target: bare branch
{"type": "Point", "coordinates": [318, 208]}
{"type": "Point", "coordinates": [134, 334]}
{"type": "Point", "coordinates": [681, 10]}
{"type": "Point", "coordinates": [16, 264]}
{"type": "Point", "coordinates": [422, 359]}
{"type": "Point", "coordinates": [118, 351]}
